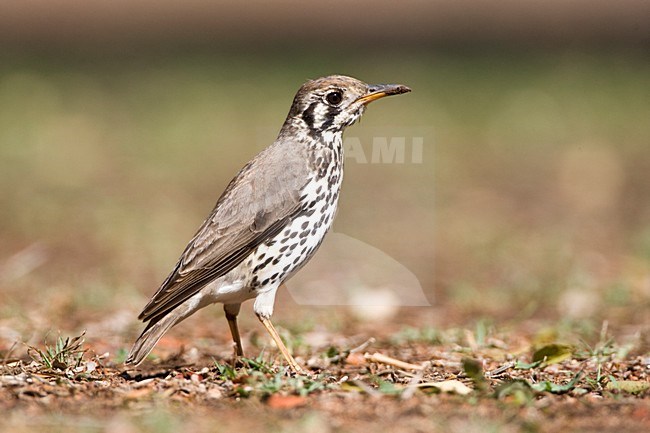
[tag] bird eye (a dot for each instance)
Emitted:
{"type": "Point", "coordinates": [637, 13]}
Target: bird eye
{"type": "Point", "coordinates": [334, 98]}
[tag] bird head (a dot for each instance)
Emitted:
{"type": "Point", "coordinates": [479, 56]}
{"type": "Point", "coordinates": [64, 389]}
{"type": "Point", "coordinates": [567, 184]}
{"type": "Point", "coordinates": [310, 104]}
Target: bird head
{"type": "Point", "coordinates": [332, 103]}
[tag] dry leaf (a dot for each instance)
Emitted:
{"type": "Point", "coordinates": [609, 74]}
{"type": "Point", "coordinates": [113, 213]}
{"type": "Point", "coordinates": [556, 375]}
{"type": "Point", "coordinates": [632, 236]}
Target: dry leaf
{"type": "Point", "coordinates": [355, 358]}
{"type": "Point", "coordinates": [631, 386]}
{"type": "Point", "coordinates": [452, 386]}
{"type": "Point", "coordinates": [277, 401]}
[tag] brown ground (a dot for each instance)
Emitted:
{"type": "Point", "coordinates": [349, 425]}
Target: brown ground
{"type": "Point", "coordinates": [346, 387]}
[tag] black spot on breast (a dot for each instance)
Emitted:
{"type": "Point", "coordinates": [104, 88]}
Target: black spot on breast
{"type": "Point", "coordinates": [304, 225]}
{"type": "Point", "coordinates": [337, 153]}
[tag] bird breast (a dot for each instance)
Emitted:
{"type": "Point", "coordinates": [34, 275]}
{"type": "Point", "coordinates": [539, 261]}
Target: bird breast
{"type": "Point", "coordinates": [277, 259]}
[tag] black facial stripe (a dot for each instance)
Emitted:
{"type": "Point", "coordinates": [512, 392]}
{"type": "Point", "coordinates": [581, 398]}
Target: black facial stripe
{"type": "Point", "coordinates": [332, 112]}
{"type": "Point", "coordinates": [308, 114]}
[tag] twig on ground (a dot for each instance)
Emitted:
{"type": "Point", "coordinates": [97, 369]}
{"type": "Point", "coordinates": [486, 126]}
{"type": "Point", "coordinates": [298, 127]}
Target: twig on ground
{"type": "Point", "coordinates": [346, 353]}
{"type": "Point", "coordinates": [497, 371]}
{"type": "Point", "coordinates": [384, 359]}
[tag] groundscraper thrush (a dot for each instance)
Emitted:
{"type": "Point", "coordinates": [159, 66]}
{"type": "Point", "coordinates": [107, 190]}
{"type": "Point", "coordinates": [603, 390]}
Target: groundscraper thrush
{"type": "Point", "coordinates": [271, 218]}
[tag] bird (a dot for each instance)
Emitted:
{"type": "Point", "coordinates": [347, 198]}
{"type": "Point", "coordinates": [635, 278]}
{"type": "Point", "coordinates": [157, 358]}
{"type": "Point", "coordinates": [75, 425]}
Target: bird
{"type": "Point", "coordinates": [269, 221]}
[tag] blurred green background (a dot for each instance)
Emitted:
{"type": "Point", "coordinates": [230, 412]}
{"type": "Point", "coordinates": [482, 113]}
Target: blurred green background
{"type": "Point", "coordinates": [121, 125]}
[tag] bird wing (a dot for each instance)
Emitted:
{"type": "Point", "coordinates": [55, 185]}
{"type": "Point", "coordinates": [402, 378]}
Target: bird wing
{"type": "Point", "coordinates": [257, 204]}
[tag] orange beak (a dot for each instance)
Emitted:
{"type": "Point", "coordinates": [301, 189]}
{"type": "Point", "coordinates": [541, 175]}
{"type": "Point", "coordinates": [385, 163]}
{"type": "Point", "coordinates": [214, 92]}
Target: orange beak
{"type": "Point", "coordinates": [378, 91]}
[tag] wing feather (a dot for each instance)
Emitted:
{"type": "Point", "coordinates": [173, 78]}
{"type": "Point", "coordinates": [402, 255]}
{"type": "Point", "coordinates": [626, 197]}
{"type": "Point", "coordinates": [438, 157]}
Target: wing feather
{"type": "Point", "coordinates": [257, 204]}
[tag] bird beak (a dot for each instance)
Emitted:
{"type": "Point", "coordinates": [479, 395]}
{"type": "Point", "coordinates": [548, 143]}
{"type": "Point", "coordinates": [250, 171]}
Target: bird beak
{"type": "Point", "coordinates": [377, 91]}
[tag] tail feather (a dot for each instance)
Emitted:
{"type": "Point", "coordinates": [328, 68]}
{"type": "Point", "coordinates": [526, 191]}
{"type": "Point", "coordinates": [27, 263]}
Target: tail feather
{"type": "Point", "coordinates": [158, 325]}
{"type": "Point", "coordinates": [149, 337]}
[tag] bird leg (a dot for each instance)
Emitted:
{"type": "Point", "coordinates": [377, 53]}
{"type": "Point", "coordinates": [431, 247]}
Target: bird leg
{"type": "Point", "coordinates": [278, 341]}
{"type": "Point", "coordinates": [232, 310]}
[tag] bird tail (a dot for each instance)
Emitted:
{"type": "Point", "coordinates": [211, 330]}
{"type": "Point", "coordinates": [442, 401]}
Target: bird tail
{"type": "Point", "coordinates": [149, 337]}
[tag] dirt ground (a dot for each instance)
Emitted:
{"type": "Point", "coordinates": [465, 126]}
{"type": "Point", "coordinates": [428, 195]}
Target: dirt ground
{"type": "Point", "coordinates": [415, 379]}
